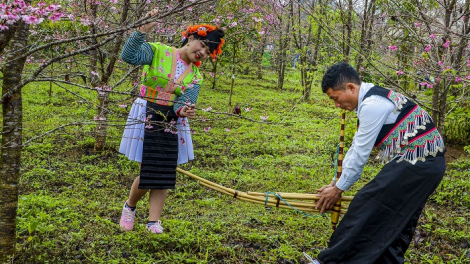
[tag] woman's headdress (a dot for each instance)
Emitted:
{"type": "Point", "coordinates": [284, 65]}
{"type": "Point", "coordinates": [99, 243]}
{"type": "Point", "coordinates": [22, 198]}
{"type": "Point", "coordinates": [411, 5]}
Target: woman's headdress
{"type": "Point", "coordinates": [203, 32]}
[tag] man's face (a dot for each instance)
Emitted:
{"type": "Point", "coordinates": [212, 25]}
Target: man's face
{"type": "Point", "coordinates": [345, 99]}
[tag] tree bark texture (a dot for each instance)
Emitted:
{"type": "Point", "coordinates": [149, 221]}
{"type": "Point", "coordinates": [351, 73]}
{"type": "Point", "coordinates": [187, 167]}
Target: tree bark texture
{"type": "Point", "coordinates": [439, 98]}
{"type": "Point", "coordinates": [102, 127]}
{"type": "Point", "coordinates": [214, 70]}
{"type": "Point", "coordinates": [12, 135]}
{"type": "Point", "coordinates": [233, 73]}
{"type": "Point", "coordinates": [283, 44]}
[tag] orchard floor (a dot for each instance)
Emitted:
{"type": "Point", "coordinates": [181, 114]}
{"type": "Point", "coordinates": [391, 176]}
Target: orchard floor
{"type": "Point", "coordinates": [71, 196]}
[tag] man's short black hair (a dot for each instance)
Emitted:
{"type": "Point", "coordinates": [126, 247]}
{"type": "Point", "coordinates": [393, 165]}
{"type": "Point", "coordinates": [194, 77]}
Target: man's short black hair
{"type": "Point", "coordinates": [338, 75]}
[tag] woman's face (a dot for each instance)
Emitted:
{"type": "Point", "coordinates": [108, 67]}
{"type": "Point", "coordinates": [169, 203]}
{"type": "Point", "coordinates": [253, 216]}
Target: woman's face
{"type": "Point", "coordinates": [197, 50]}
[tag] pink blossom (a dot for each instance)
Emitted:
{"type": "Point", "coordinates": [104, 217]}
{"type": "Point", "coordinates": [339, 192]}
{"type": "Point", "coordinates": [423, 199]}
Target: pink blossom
{"type": "Point", "coordinates": [467, 77]}
{"type": "Point", "coordinates": [53, 7]}
{"type": "Point", "coordinates": [432, 36]}
{"type": "Point", "coordinates": [440, 63]}
{"type": "Point", "coordinates": [392, 47]}
{"type": "Point", "coordinates": [211, 74]}
{"type": "Point", "coordinates": [85, 21]}
{"type": "Point", "coordinates": [227, 130]}
{"type": "Point", "coordinates": [248, 109]}
{"type": "Point", "coordinates": [233, 24]}
{"type": "Point", "coordinates": [264, 118]}
{"type": "Point", "coordinates": [207, 129]}
{"type": "Point", "coordinates": [400, 72]}
{"type": "Point", "coordinates": [149, 126]}
{"type": "Point", "coordinates": [458, 79]}
{"type": "Point", "coordinates": [438, 79]}
{"type": "Point", "coordinates": [416, 24]}
{"type": "Point", "coordinates": [113, 1]}
{"type": "Point", "coordinates": [428, 48]}
{"type": "Point", "coordinates": [55, 16]}
{"type": "Point", "coordinates": [446, 45]}
{"type": "Point", "coordinates": [32, 19]}
{"type": "Point", "coordinates": [123, 105]}
{"type": "Point", "coordinates": [207, 109]}
{"type": "Point", "coordinates": [3, 27]}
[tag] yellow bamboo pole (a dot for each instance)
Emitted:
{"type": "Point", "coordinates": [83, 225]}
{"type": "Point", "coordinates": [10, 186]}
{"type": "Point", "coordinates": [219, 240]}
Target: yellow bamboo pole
{"type": "Point", "coordinates": [337, 207]}
{"type": "Point", "coordinates": [260, 198]}
{"type": "Point", "coordinates": [302, 196]}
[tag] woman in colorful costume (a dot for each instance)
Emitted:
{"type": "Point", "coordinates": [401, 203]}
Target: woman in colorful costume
{"type": "Point", "coordinates": [382, 218]}
{"type": "Point", "coordinates": [157, 126]}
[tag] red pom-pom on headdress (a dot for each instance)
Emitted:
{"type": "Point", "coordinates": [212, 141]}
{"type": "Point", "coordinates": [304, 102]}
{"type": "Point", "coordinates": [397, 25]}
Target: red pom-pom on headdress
{"type": "Point", "coordinates": [202, 30]}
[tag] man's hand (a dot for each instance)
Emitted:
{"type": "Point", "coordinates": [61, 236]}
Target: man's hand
{"type": "Point", "coordinates": [325, 186]}
{"type": "Point", "coordinates": [188, 111]}
{"type": "Point", "coordinates": [329, 195]}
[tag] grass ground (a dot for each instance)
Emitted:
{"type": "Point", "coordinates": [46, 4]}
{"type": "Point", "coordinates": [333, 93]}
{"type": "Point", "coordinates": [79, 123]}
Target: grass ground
{"type": "Point", "coordinates": [71, 197]}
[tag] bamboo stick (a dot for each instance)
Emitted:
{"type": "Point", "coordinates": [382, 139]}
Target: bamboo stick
{"type": "Point", "coordinates": [302, 196]}
{"type": "Point", "coordinates": [260, 198]}
{"type": "Point", "coordinates": [271, 201]}
{"type": "Point", "coordinates": [339, 169]}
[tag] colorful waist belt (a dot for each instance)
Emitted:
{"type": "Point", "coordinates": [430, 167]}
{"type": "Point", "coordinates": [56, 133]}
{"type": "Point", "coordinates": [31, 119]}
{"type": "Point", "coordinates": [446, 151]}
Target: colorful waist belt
{"type": "Point", "coordinates": [155, 95]}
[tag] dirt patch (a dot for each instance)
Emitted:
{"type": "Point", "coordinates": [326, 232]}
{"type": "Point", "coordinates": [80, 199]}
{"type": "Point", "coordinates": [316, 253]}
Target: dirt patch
{"type": "Point", "coordinates": [453, 153]}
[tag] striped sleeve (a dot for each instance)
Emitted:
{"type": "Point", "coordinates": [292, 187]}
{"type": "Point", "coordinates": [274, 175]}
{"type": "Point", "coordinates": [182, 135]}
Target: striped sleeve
{"type": "Point", "coordinates": [136, 51]}
{"type": "Point", "coordinates": [190, 95]}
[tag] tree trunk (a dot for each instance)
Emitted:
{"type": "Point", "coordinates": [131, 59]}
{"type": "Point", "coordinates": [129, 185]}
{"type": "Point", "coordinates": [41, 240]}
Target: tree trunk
{"type": "Point", "coordinates": [12, 135]}
{"type": "Point", "coordinates": [6, 36]}
{"type": "Point", "coordinates": [233, 74]}
{"type": "Point", "coordinates": [102, 127]}
{"type": "Point", "coordinates": [439, 97]}
{"type": "Point", "coordinates": [283, 44]}
{"type": "Point", "coordinates": [349, 32]}
{"type": "Point", "coordinates": [259, 72]}
{"type": "Point", "coordinates": [362, 42]}
{"type": "Point", "coordinates": [214, 70]}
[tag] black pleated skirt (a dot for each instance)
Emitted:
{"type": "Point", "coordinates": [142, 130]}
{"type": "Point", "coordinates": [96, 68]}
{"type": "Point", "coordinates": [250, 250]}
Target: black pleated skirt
{"type": "Point", "coordinates": [160, 149]}
{"type": "Point", "coordinates": [382, 217]}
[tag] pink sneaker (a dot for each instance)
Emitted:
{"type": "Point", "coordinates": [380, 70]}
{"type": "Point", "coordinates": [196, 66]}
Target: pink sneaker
{"type": "Point", "coordinates": [155, 228]}
{"type": "Point", "coordinates": [127, 218]}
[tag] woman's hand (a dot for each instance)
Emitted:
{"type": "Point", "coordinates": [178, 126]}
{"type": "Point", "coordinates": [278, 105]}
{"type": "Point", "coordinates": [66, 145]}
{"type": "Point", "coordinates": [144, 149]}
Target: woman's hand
{"type": "Point", "coordinates": [147, 27]}
{"type": "Point", "coordinates": [188, 111]}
